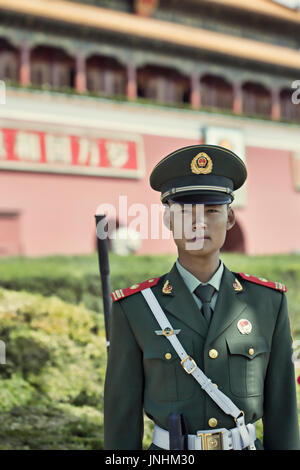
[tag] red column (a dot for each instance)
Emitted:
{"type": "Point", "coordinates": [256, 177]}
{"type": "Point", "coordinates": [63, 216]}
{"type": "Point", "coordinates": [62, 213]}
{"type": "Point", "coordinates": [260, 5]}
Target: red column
{"type": "Point", "coordinates": [195, 100]}
{"type": "Point", "coordinates": [24, 71]}
{"type": "Point", "coordinates": [275, 106]}
{"type": "Point", "coordinates": [237, 97]}
{"type": "Point", "coordinates": [80, 74]}
{"type": "Point", "coordinates": [131, 81]}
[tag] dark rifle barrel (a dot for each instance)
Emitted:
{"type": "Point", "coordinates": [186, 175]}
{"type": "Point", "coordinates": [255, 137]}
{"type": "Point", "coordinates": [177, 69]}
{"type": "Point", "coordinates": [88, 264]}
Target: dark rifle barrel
{"type": "Point", "coordinates": [103, 259]}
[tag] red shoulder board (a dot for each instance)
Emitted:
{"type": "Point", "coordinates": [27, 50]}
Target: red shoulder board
{"type": "Point", "coordinates": [121, 293]}
{"type": "Point", "coordinates": [264, 282]}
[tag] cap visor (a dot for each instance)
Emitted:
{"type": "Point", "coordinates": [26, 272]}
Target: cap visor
{"type": "Point", "coordinates": [209, 199]}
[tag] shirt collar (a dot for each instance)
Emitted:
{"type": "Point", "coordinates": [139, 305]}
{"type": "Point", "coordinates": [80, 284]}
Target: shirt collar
{"type": "Point", "coordinates": [192, 282]}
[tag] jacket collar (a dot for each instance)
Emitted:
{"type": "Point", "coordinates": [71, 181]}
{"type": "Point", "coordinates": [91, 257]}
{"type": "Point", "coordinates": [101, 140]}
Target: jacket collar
{"type": "Point", "coordinates": [175, 297]}
{"type": "Point", "coordinates": [192, 282]}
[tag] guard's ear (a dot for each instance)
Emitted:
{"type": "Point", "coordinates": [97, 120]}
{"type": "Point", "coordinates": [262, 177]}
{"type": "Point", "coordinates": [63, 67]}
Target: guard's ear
{"type": "Point", "coordinates": [230, 217]}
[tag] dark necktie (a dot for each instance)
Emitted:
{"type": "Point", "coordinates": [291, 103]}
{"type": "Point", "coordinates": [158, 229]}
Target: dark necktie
{"type": "Point", "coordinates": [205, 293]}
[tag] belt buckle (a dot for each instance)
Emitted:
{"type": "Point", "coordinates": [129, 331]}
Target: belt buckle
{"type": "Point", "coordinates": [189, 371]}
{"type": "Point", "coordinates": [211, 440]}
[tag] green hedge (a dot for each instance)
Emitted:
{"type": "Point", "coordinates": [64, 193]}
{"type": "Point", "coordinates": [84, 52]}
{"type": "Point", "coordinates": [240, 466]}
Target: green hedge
{"type": "Point", "coordinates": [51, 387]}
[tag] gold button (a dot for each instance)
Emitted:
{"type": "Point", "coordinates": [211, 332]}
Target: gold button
{"type": "Point", "coordinates": [251, 351]}
{"type": "Point", "coordinates": [168, 356]}
{"type": "Point", "coordinates": [212, 422]}
{"type": "Point", "coordinates": [213, 353]}
{"type": "Point", "coordinates": [216, 385]}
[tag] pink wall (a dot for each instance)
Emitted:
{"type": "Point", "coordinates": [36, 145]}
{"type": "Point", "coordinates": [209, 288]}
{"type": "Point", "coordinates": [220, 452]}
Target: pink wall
{"type": "Point", "coordinates": [57, 211]}
{"type": "Point", "coordinates": [272, 218]}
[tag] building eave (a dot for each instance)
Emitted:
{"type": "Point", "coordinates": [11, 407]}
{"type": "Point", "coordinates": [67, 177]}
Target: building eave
{"type": "Point", "coordinates": [156, 30]}
{"type": "Point", "coordinates": [261, 7]}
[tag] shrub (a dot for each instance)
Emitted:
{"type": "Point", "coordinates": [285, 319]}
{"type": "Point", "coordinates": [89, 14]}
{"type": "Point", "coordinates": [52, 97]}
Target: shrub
{"type": "Point", "coordinates": [51, 387]}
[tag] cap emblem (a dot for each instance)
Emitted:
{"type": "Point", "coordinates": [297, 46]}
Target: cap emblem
{"type": "Point", "coordinates": [201, 164]}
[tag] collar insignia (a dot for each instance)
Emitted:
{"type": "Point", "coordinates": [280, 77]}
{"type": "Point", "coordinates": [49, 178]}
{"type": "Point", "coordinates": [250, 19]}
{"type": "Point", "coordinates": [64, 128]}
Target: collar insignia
{"type": "Point", "coordinates": [237, 285]}
{"type": "Point", "coordinates": [167, 289]}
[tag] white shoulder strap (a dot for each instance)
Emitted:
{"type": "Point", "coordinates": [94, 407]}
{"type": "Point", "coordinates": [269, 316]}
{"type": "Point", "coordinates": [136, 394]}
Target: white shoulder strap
{"type": "Point", "coordinates": [190, 367]}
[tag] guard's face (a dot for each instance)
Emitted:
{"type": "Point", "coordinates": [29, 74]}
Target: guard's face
{"type": "Point", "coordinates": [199, 228]}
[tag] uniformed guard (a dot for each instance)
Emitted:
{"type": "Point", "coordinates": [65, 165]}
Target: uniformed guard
{"type": "Point", "coordinates": [210, 345]}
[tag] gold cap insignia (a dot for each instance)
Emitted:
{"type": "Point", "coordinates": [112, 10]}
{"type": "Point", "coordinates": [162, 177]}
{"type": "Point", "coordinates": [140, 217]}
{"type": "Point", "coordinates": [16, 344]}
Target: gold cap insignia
{"type": "Point", "coordinates": [237, 285]}
{"type": "Point", "coordinates": [167, 289]}
{"type": "Point", "coordinates": [201, 164]}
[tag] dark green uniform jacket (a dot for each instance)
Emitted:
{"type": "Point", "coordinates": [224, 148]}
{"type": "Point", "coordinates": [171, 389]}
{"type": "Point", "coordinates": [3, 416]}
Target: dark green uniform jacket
{"type": "Point", "coordinates": [142, 375]}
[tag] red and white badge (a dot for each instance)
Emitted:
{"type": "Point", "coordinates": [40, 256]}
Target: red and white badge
{"type": "Point", "coordinates": [244, 326]}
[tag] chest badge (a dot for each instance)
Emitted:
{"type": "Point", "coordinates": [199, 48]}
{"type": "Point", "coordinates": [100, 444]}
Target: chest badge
{"type": "Point", "coordinates": [167, 332]}
{"type": "Point", "coordinates": [244, 326]}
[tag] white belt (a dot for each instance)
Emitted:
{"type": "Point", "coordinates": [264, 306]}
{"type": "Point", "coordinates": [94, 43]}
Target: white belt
{"type": "Point", "coordinates": [218, 439]}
